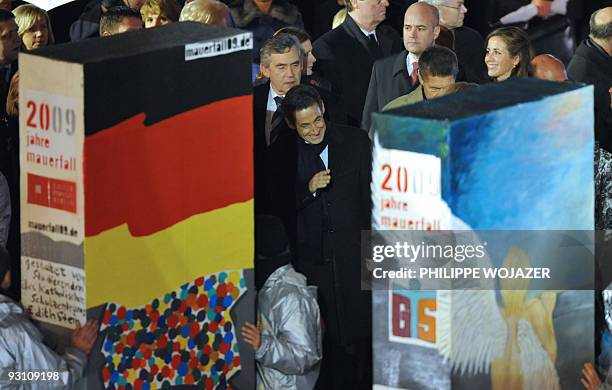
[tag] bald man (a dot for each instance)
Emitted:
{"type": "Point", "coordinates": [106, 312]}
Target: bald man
{"type": "Point", "coordinates": [592, 64]}
{"type": "Point", "coordinates": [395, 76]}
{"type": "Point", "coordinates": [548, 67]}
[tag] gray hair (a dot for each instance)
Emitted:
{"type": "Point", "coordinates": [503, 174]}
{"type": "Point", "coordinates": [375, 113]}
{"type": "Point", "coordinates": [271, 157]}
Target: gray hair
{"type": "Point", "coordinates": [600, 31]}
{"type": "Point", "coordinates": [279, 44]}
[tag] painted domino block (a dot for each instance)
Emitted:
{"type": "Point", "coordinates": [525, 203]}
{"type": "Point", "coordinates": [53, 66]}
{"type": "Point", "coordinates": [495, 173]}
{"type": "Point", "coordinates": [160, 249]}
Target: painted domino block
{"type": "Point", "coordinates": [137, 202]}
{"type": "Point", "coordinates": [511, 156]}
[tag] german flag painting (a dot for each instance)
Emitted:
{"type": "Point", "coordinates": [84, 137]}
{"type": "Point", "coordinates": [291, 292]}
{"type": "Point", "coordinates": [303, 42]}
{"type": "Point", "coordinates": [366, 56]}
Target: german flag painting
{"type": "Point", "coordinates": [161, 204]}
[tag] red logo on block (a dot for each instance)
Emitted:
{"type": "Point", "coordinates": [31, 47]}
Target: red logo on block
{"type": "Point", "coordinates": [52, 193]}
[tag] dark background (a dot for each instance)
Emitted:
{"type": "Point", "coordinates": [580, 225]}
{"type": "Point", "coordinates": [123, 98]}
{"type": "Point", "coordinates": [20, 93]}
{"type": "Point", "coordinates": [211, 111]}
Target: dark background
{"type": "Point", "coordinates": [480, 13]}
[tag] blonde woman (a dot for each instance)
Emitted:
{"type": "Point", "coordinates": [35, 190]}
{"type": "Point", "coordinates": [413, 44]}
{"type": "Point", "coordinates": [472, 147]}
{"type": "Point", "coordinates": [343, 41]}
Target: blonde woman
{"type": "Point", "coordinates": [160, 12]}
{"type": "Point", "coordinates": [34, 26]}
{"type": "Point", "coordinates": [34, 29]}
{"type": "Point", "coordinates": [205, 11]}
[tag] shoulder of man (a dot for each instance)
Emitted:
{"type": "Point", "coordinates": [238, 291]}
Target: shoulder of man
{"type": "Point", "coordinates": [387, 31]}
{"type": "Point", "coordinates": [582, 65]}
{"type": "Point", "coordinates": [468, 32]}
{"type": "Point", "coordinates": [261, 88]}
{"type": "Point", "coordinates": [414, 96]}
{"type": "Point", "coordinates": [387, 62]}
{"type": "Point", "coordinates": [332, 38]}
{"type": "Point", "coordinates": [350, 134]}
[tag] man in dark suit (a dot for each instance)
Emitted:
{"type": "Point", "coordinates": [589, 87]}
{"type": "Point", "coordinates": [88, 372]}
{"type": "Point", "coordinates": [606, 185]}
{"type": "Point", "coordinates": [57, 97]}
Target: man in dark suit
{"type": "Point", "coordinates": [281, 63]}
{"type": "Point", "coordinates": [397, 75]}
{"type": "Point", "coordinates": [322, 174]}
{"type": "Point", "coordinates": [346, 54]}
{"type": "Point", "coordinates": [592, 64]}
{"type": "Point", "coordinates": [467, 43]}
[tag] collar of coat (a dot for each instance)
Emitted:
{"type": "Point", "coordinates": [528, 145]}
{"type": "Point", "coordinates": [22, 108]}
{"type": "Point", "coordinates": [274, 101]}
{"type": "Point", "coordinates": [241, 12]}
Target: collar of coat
{"type": "Point", "coordinates": [399, 65]}
{"type": "Point", "coordinates": [281, 10]}
{"type": "Point", "coordinates": [594, 45]}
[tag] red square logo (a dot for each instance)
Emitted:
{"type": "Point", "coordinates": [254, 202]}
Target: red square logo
{"type": "Point", "coordinates": [52, 193]}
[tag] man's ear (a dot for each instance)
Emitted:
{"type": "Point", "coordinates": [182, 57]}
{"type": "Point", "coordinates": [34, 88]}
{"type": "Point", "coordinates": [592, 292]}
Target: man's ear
{"type": "Point", "coordinates": [265, 71]}
{"type": "Point", "coordinates": [106, 34]}
{"type": "Point", "coordinates": [436, 32]}
{"type": "Point", "coordinates": [322, 107]}
{"type": "Point", "coordinates": [420, 78]}
{"type": "Point", "coordinates": [5, 283]}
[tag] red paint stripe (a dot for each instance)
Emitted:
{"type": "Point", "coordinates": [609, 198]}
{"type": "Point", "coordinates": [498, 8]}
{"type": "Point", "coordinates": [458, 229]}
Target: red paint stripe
{"type": "Point", "coordinates": [152, 177]}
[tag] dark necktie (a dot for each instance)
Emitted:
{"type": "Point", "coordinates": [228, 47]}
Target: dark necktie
{"type": "Point", "coordinates": [373, 46]}
{"type": "Point", "coordinates": [277, 118]}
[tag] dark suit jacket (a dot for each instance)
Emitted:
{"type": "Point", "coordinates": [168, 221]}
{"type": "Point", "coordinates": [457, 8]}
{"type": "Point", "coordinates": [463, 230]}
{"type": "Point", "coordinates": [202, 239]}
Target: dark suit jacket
{"type": "Point", "coordinates": [344, 59]}
{"type": "Point", "coordinates": [345, 308]}
{"type": "Point", "coordinates": [591, 65]}
{"type": "Point", "coordinates": [347, 202]}
{"type": "Point", "coordinates": [334, 112]}
{"type": "Point", "coordinates": [389, 80]}
{"type": "Point", "coordinates": [470, 50]}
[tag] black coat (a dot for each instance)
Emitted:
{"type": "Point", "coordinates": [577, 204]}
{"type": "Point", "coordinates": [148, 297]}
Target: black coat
{"type": "Point", "coordinates": [344, 59]}
{"type": "Point", "coordinates": [334, 112]}
{"type": "Point", "coordinates": [591, 65]}
{"type": "Point", "coordinates": [469, 46]}
{"type": "Point", "coordinates": [333, 263]}
{"type": "Point", "coordinates": [389, 80]}
{"type": "Point", "coordinates": [345, 308]}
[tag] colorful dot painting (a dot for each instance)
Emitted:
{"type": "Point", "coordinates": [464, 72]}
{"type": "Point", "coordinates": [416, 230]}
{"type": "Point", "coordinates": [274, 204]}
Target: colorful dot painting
{"type": "Point", "coordinates": [185, 337]}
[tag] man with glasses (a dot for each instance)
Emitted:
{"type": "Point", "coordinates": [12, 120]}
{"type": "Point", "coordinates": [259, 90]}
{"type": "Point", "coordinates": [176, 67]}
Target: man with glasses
{"type": "Point", "coordinates": [464, 41]}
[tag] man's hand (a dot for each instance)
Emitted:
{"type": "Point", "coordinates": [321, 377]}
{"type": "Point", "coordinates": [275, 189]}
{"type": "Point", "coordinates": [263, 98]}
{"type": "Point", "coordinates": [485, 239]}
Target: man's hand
{"type": "Point", "coordinates": [319, 180]}
{"type": "Point", "coordinates": [84, 338]}
{"type": "Point", "coordinates": [544, 7]}
{"type": "Point", "coordinates": [251, 335]}
{"type": "Point", "coordinates": [589, 379]}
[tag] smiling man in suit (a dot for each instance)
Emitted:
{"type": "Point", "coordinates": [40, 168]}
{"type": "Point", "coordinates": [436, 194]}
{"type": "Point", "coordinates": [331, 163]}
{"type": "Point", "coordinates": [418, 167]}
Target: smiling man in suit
{"type": "Point", "coordinates": [322, 173]}
{"type": "Point", "coordinates": [397, 75]}
{"type": "Point", "coordinates": [281, 63]}
{"type": "Point", "coordinates": [345, 55]}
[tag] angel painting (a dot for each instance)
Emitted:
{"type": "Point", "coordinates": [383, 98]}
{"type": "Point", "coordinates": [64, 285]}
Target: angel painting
{"type": "Point", "coordinates": [512, 337]}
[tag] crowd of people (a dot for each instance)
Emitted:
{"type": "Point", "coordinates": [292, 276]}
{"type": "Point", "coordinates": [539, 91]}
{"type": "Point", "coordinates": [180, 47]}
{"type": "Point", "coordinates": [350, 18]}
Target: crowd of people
{"type": "Point", "coordinates": [312, 104]}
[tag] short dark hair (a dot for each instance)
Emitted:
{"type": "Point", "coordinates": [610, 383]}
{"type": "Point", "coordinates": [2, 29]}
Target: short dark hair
{"type": "Point", "coordinates": [301, 35]}
{"type": "Point", "coordinates": [279, 44]}
{"type": "Point", "coordinates": [300, 98]}
{"type": "Point", "coordinates": [112, 19]}
{"type": "Point", "coordinates": [5, 15]}
{"type": "Point", "coordinates": [600, 31]}
{"type": "Point", "coordinates": [438, 61]}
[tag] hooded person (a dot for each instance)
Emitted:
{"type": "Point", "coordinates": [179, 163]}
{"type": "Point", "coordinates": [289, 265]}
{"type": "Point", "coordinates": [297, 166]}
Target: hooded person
{"type": "Point", "coordinates": [22, 348]}
{"type": "Point", "coordinates": [287, 339]}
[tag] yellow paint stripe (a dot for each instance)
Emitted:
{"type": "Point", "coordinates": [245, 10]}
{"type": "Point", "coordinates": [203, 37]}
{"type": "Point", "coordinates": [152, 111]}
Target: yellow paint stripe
{"type": "Point", "coordinates": [132, 271]}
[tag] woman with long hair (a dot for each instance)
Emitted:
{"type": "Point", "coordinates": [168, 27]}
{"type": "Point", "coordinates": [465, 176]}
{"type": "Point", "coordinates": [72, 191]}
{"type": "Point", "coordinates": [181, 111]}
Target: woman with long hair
{"type": "Point", "coordinates": [508, 53]}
